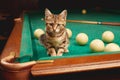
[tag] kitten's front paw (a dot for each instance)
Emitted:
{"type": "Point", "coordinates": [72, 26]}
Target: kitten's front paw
{"type": "Point", "coordinates": [51, 52]}
{"type": "Point", "coordinates": [60, 52]}
{"type": "Point", "coordinates": [66, 50]}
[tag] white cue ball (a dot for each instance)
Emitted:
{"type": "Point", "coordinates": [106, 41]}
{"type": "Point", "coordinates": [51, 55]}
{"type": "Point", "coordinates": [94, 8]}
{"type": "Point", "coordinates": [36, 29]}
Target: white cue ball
{"type": "Point", "coordinates": [97, 45]}
{"type": "Point", "coordinates": [69, 32]}
{"type": "Point", "coordinates": [108, 36]}
{"type": "Point", "coordinates": [38, 33]}
{"type": "Point", "coordinates": [112, 47]}
{"type": "Point", "coordinates": [82, 38]}
{"type": "Point", "coordinates": [84, 11]}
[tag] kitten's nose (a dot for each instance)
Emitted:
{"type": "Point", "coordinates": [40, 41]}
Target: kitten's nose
{"type": "Point", "coordinates": [55, 27]}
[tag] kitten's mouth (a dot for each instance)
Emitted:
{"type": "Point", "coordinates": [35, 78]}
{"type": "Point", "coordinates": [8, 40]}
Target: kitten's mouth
{"type": "Point", "coordinates": [51, 33]}
{"type": "Point", "coordinates": [55, 34]}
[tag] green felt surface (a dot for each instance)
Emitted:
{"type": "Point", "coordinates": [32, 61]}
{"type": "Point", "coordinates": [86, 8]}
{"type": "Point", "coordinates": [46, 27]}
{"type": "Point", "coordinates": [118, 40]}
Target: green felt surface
{"type": "Point", "coordinates": [32, 48]}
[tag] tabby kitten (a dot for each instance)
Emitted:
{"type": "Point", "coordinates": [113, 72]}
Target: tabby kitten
{"type": "Point", "coordinates": [55, 39]}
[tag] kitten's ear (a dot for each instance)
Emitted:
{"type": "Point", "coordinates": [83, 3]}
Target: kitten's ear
{"type": "Point", "coordinates": [47, 12]}
{"type": "Point", "coordinates": [63, 14]}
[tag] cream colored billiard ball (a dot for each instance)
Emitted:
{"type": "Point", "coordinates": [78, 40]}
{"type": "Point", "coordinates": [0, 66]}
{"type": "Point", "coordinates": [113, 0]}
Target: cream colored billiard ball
{"type": "Point", "coordinates": [38, 33]}
{"type": "Point", "coordinates": [82, 38]}
{"type": "Point", "coordinates": [69, 32]}
{"type": "Point", "coordinates": [108, 36]}
{"type": "Point", "coordinates": [84, 11]}
{"type": "Point", "coordinates": [97, 45]}
{"type": "Point", "coordinates": [112, 47]}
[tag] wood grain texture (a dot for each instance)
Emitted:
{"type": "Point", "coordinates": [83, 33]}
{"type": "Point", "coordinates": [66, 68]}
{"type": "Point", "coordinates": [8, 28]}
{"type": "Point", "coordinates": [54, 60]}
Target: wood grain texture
{"type": "Point", "coordinates": [77, 64]}
{"type": "Point", "coordinates": [13, 43]}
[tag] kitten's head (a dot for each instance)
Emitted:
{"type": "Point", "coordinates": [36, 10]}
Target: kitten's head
{"type": "Point", "coordinates": [55, 24]}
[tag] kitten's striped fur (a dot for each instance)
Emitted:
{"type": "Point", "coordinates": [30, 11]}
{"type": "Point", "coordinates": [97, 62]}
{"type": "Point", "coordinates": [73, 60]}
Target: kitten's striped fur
{"type": "Point", "coordinates": [56, 38]}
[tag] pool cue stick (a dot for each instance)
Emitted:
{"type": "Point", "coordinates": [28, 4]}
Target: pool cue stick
{"type": "Point", "coordinates": [111, 23]}
{"type": "Point", "coordinates": [83, 21]}
{"type": "Point", "coordinates": [93, 22]}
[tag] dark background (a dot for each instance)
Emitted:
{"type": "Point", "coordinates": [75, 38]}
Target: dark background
{"type": "Point", "coordinates": [56, 4]}
{"type": "Point", "coordinates": [16, 6]}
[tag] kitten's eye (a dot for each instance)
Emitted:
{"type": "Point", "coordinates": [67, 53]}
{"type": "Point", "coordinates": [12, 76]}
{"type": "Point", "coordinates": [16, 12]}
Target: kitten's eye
{"type": "Point", "coordinates": [62, 24]}
{"type": "Point", "coordinates": [58, 24]}
{"type": "Point", "coordinates": [51, 24]}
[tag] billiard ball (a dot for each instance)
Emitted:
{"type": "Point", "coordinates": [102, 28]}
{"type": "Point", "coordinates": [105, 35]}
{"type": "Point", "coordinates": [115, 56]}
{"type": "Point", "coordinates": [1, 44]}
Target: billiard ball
{"type": "Point", "coordinates": [38, 33]}
{"type": "Point", "coordinates": [82, 38]}
{"type": "Point", "coordinates": [84, 11]}
{"type": "Point", "coordinates": [97, 45]}
{"type": "Point", "coordinates": [112, 47]}
{"type": "Point", "coordinates": [108, 36]}
{"type": "Point", "coordinates": [69, 32]}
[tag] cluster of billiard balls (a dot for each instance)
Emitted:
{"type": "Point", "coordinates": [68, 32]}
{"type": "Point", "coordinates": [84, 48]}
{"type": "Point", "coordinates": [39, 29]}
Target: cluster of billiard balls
{"type": "Point", "coordinates": [96, 45]}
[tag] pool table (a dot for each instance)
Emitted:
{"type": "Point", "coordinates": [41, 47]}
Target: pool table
{"type": "Point", "coordinates": [79, 59]}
